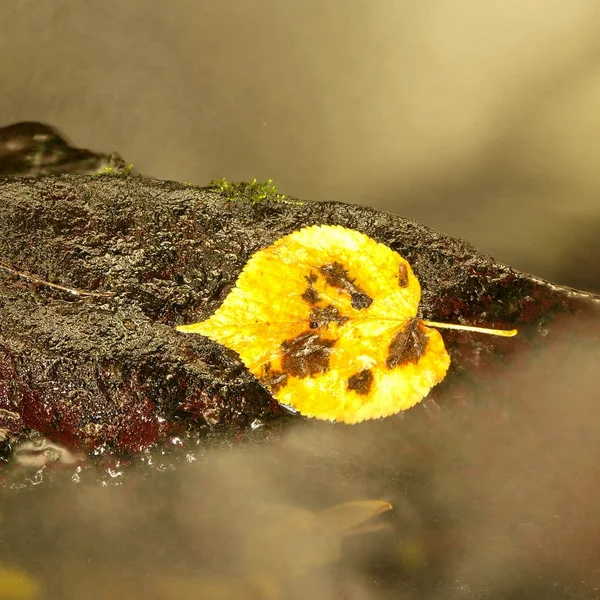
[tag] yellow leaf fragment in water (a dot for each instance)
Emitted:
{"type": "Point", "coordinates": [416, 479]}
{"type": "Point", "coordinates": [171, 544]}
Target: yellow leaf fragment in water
{"type": "Point", "coordinates": [15, 584]}
{"type": "Point", "coordinates": [355, 517]}
{"type": "Point", "coordinates": [326, 319]}
{"type": "Point", "coordinates": [283, 544]}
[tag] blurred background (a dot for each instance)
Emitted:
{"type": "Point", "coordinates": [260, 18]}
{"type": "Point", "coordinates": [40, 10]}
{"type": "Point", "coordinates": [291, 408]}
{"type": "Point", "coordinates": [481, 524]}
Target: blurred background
{"type": "Point", "coordinates": [479, 119]}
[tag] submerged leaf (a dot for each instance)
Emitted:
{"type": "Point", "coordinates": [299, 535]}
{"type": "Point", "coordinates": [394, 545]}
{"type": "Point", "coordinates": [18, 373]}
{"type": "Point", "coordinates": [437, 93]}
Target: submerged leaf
{"type": "Point", "coordinates": [16, 584]}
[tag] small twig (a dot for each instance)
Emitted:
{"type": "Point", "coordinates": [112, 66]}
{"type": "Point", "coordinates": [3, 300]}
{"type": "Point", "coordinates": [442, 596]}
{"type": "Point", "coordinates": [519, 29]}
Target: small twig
{"type": "Point", "coordinates": [39, 281]}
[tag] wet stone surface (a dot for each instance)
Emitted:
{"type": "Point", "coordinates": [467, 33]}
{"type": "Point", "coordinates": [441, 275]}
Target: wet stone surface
{"type": "Point", "coordinates": [93, 373]}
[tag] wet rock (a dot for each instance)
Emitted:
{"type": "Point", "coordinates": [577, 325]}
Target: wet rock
{"type": "Point", "coordinates": [93, 361]}
{"type": "Point", "coordinates": [31, 149]}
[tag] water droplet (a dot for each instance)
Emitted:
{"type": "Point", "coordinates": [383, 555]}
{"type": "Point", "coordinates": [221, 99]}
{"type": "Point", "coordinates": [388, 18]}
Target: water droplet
{"type": "Point", "coordinates": [76, 478]}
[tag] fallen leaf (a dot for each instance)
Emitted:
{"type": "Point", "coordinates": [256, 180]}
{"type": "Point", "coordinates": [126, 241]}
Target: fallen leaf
{"type": "Point", "coordinates": [326, 319]}
{"type": "Point", "coordinates": [15, 584]}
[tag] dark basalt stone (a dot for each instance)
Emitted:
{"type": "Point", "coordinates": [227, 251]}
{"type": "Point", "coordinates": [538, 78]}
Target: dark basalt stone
{"type": "Point", "coordinates": [32, 149]}
{"type": "Point", "coordinates": [112, 373]}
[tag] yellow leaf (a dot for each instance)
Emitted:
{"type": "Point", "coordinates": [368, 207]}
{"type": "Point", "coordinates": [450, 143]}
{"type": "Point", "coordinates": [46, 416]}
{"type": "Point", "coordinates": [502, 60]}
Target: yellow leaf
{"type": "Point", "coordinates": [326, 319]}
{"type": "Point", "coordinates": [16, 584]}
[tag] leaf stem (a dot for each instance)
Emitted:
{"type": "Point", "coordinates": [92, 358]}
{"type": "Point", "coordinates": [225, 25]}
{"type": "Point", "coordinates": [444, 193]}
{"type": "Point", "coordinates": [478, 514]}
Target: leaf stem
{"type": "Point", "coordinates": [500, 332]}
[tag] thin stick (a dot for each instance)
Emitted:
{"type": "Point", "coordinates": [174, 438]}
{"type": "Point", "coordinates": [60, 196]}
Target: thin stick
{"type": "Point", "coordinates": [38, 280]}
{"type": "Point", "coordinates": [500, 332]}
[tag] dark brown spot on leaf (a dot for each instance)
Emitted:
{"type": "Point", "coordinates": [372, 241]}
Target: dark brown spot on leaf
{"type": "Point", "coordinates": [360, 300]}
{"type": "Point", "coordinates": [360, 382]}
{"type": "Point", "coordinates": [337, 276]}
{"type": "Point", "coordinates": [321, 317]}
{"type": "Point", "coordinates": [306, 355]}
{"type": "Point", "coordinates": [408, 345]}
{"type": "Point", "coordinates": [403, 275]}
{"type": "Point", "coordinates": [274, 380]}
{"type": "Point", "coordinates": [311, 295]}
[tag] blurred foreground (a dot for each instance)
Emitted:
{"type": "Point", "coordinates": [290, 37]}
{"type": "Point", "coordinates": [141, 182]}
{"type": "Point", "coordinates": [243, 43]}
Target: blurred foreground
{"type": "Point", "coordinates": [494, 500]}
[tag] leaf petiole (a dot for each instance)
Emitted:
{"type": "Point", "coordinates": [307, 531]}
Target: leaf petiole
{"type": "Point", "coordinates": [499, 332]}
